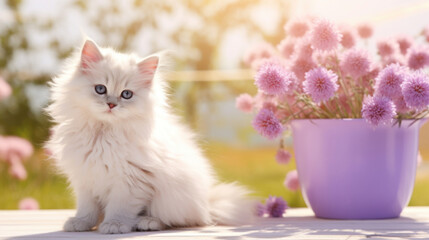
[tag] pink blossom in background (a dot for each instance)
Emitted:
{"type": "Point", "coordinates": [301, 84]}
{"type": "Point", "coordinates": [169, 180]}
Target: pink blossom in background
{"type": "Point", "coordinates": [269, 105]}
{"type": "Point", "coordinates": [5, 89]}
{"type": "Point", "coordinates": [267, 125]}
{"type": "Point", "coordinates": [375, 69]}
{"type": "Point", "coordinates": [344, 103]}
{"type": "Point", "coordinates": [415, 89]}
{"type": "Point", "coordinates": [283, 156]}
{"type": "Point", "coordinates": [405, 43]}
{"type": "Point", "coordinates": [418, 57]}
{"type": "Point", "coordinates": [15, 146]}
{"type": "Point", "coordinates": [387, 48]}
{"type": "Point", "coordinates": [28, 204]}
{"type": "Point", "coordinates": [378, 110]}
{"type": "Point", "coordinates": [394, 59]}
{"type": "Point", "coordinates": [297, 28]}
{"type": "Point", "coordinates": [324, 35]}
{"type": "Point", "coordinates": [15, 150]}
{"type": "Point", "coordinates": [290, 100]}
{"type": "Point", "coordinates": [365, 30]}
{"type": "Point", "coordinates": [320, 84]}
{"type": "Point", "coordinates": [261, 98]}
{"type": "Point", "coordinates": [281, 114]}
{"type": "Point", "coordinates": [349, 37]}
{"type": "Point", "coordinates": [389, 80]}
{"type": "Point", "coordinates": [273, 78]}
{"type": "Point", "coordinates": [302, 65]}
{"type": "Point", "coordinates": [286, 47]}
{"type": "Point", "coordinates": [304, 49]}
{"type": "Point", "coordinates": [401, 105]}
{"type": "Point", "coordinates": [259, 51]}
{"type": "Point", "coordinates": [326, 59]}
{"type": "Point", "coordinates": [292, 181]}
{"type": "Point", "coordinates": [17, 169]}
{"type": "Point", "coordinates": [294, 107]}
{"type": "Point", "coordinates": [370, 76]}
{"type": "Point", "coordinates": [244, 102]}
{"type": "Point", "coordinates": [258, 63]}
{"type": "Point", "coordinates": [355, 62]}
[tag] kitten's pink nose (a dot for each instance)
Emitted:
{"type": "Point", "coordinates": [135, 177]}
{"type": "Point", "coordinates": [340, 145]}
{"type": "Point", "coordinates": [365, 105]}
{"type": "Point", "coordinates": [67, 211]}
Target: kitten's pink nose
{"type": "Point", "coordinates": [111, 105]}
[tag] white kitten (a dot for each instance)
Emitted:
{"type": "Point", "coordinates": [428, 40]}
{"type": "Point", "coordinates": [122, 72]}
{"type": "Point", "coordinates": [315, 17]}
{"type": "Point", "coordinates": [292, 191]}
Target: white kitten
{"type": "Point", "coordinates": [126, 155]}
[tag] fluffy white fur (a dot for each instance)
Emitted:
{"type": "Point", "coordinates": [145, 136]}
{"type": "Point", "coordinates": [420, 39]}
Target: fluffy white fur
{"type": "Point", "coordinates": [135, 166]}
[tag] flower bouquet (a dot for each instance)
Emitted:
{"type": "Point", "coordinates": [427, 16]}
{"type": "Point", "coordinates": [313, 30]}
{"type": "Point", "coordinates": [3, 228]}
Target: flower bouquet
{"type": "Point", "coordinates": [354, 116]}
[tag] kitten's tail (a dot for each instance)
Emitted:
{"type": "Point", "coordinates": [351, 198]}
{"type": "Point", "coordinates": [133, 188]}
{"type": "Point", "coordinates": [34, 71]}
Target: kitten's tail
{"type": "Point", "coordinates": [230, 205]}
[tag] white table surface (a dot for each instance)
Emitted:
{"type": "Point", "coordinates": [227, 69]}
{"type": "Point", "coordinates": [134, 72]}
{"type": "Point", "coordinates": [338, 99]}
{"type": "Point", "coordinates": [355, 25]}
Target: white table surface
{"type": "Point", "coordinates": [297, 224]}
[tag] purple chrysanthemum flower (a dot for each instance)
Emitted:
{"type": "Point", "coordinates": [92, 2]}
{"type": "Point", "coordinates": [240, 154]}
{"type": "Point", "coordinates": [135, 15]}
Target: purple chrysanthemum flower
{"type": "Point", "coordinates": [418, 57]}
{"type": "Point", "coordinates": [355, 62]}
{"type": "Point", "coordinates": [267, 124]}
{"type": "Point", "coordinates": [415, 89]}
{"type": "Point", "coordinates": [324, 35]}
{"type": "Point", "coordinates": [320, 84]}
{"type": "Point", "coordinates": [389, 80]}
{"type": "Point", "coordinates": [275, 206]}
{"type": "Point", "coordinates": [378, 110]}
{"type": "Point", "coordinates": [273, 78]}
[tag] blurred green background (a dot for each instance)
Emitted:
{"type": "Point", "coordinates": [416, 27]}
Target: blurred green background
{"type": "Point", "coordinates": [36, 35]}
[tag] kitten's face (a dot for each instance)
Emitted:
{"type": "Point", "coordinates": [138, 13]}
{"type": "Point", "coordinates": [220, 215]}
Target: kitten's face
{"type": "Point", "coordinates": [113, 86]}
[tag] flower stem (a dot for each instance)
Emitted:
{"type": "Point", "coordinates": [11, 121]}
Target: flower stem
{"type": "Point", "coordinates": [345, 89]}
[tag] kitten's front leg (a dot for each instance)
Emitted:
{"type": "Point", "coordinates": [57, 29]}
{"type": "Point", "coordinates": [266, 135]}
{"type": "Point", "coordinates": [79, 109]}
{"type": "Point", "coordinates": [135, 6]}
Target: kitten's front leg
{"type": "Point", "coordinates": [121, 212]}
{"type": "Point", "coordinates": [87, 214]}
{"type": "Point", "coordinates": [150, 224]}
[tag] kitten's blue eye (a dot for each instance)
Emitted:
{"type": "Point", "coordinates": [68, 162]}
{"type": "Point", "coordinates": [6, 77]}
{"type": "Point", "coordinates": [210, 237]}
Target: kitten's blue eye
{"type": "Point", "coordinates": [126, 94]}
{"type": "Point", "coordinates": [100, 89]}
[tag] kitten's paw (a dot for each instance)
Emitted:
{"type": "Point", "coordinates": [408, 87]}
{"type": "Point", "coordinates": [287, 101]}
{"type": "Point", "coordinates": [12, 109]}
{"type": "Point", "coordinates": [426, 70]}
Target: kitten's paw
{"type": "Point", "coordinates": [75, 224]}
{"type": "Point", "coordinates": [113, 227]}
{"type": "Point", "coordinates": [150, 224]}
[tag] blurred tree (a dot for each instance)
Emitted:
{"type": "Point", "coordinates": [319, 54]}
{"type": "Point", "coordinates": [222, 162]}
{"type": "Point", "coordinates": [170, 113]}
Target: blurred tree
{"type": "Point", "coordinates": [193, 28]}
{"type": "Point", "coordinates": [16, 116]}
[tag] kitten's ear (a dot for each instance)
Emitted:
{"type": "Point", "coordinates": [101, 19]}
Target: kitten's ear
{"type": "Point", "coordinates": [90, 54]}
{"type": "Point", "coordinates": [147, 68]}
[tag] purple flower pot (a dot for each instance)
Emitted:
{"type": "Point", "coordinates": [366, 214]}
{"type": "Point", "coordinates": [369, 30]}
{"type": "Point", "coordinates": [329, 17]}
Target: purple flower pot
{"type": "Point", "coordinates": [351, 170]}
